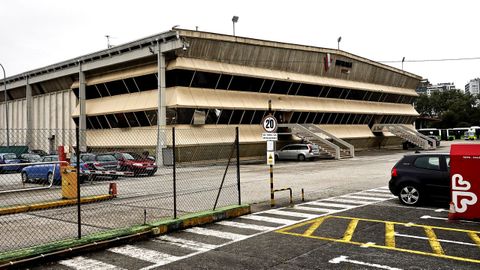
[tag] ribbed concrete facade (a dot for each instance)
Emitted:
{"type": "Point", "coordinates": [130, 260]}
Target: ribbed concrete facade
{"type": "Point", "coordinates": [219, 80]}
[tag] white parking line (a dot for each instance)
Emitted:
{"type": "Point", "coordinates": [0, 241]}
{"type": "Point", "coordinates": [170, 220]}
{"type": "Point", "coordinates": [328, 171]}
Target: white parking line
{"type": "Point", "coordinates": [82, 263]}
{"type": "Point", "coordinates": [245, 225]}
{"type": "Point", "coordinates": [189, 244]}
{"type": "Point", "coordinates": [144, 254]}
{"type": "Point", "coordinates": [215, 233]}
{"type": "Point", "coordinates": [270, 219]}
{"type": "Point", "coordinates": [442, 218]}
{"type": "Point", "coordinates": [439, 240]}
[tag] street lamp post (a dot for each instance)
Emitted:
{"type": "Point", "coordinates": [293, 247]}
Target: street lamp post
{"type": "Point", "coordinates": [338, 42]}
{"type": "Point", "coordinates": [403, 60]}
{"type": "Point", "coordinates": [234, 20]}
{"type": "Point", "coordinates": [6, 104]}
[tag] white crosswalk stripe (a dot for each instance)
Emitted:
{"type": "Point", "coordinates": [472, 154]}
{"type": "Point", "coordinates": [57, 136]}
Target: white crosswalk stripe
{"type": "Point", "coordinates": [340, 205]}
{"type": "Point", "coordinates": [144, 254]}
{"type": "Point", "coordinates": [291, 214]}
{"type": "Point", "coordinates": [245, 225]}
{"type": "Point", "coordinates": [269, 219]}
{"type": "Point", "coordinates": [82, 263]}
{"type": "Point", "coordinates": [189, 244]}
{"type": "Point", "coordinates": [345, 200]}
{"type": "Point", "coordinates": [377, 195]}
{"type": "Point", "coordinates": [215, 233]}
{"type": "Point", "coordinates": [315, 209]}
{"type": "Point", "coordinates": [363, 198]}
{"type": "Point", "coordinates": [381, 190]}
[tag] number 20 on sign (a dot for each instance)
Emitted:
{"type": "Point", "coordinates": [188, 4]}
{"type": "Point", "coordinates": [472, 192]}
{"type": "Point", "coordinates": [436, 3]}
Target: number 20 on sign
{"type": "Point", "coordinates": [269, 123]}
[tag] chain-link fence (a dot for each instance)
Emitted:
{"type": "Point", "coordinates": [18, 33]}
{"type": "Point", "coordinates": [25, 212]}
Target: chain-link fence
{"type": "Point", "coordinates": [125, 178]}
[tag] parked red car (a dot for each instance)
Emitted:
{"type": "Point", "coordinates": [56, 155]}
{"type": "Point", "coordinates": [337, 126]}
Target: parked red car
{"type": "Point", "coordinates": [135, 163]}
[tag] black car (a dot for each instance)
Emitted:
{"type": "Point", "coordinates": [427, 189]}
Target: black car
{"type": "Point", "coordinates": [421, 177]}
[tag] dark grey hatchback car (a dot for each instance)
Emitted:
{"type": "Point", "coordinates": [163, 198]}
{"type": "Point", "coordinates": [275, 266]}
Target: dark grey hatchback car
{"type": "Point", "coordinates": [421, 178]}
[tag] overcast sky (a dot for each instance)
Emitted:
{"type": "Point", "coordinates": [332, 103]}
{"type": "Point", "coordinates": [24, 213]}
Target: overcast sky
{"type": "Point", "coordinates": [36, 33]}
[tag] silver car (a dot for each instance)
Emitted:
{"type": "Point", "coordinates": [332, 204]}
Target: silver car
{"type": "Point", "coordinates": [298, 152]}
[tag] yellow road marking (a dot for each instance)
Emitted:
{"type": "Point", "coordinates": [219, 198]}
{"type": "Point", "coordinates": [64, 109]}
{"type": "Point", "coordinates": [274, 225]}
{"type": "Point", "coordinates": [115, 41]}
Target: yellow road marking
{"type": "Point", "coordinates": [405, 224]}
{"type": "Point", "coordinates": [475, 238]}
{"type": "Point", "coordinates": [350, 229]}
{"type": "Point", "coordinates": [388, 248]}
{"type": "Point", "coordinates": [389, 234]}
{"type": "Point", "coordinates": [432, 239]}
{"type": "Point", "coordinates": [313, 227]}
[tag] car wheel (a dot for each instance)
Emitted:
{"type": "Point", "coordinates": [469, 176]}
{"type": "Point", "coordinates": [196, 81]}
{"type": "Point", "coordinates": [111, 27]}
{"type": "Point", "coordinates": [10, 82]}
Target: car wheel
{"type": "Point", "coordinates": [301, 157]}
{"type": "Point", "coordinates": [410, 194]}
{"type": "Point", "coordinates": [25, 178]}
{"type": "Point", "coordinates": [276, 157]}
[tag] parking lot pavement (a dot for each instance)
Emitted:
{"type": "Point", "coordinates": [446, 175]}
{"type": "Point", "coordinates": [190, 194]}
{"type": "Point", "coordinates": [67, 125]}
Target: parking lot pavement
{"type": "Point", "coordinates": [363, 230]}
{"type": "Point", "coordinates": [182, 245]}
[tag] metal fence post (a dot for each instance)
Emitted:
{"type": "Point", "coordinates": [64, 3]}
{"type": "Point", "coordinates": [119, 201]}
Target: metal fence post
{"type": "Point", "coordinates": [237, 145]}
{"type": "Point", "coordinates": [77, 153]}
{"type": "Point", "coordinates": [174, 175]}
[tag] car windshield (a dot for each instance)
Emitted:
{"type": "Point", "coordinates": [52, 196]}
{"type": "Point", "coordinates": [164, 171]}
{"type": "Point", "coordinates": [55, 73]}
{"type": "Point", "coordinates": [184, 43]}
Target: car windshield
{"type": "Point", "coordinates": [128, 156]}
{"type": "Point", "coordinates": [51, 158]}
{"type": "Point", "coordinates": [106, 158]}
{"type": "Point", "coordinates": [33, 157]}
{"type": "Point", "coordinates": [87, 157]}
{"type": "Point", "coordinates": [9, 156]}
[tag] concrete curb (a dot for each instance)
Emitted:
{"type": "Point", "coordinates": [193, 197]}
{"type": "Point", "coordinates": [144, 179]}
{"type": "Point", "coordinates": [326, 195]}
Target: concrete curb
{"type": "Point", "coordinates": [53, 204]}
{"type": "Point", "coordinates": [70, 247]}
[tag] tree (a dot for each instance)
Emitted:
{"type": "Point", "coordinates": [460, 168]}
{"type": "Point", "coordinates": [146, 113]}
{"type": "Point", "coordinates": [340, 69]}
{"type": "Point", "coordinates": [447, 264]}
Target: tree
{"type": "Point", "coordinates": [453, 108]}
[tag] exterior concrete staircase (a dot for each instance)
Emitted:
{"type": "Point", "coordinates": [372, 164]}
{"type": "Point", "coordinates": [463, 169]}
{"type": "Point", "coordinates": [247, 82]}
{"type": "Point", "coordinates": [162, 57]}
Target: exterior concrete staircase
{"type": "Point", "coordinates": [407, 134]}
{"type": "Point", "coordinates": [329, 145]}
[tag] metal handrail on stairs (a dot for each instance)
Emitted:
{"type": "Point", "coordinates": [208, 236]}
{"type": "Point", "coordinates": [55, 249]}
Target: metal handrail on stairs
{"type": "Point", "coordinates": [298, 129]}
{"type": "Point", "coordinates": [316, 129]}
{"type": "Point", "coordinates": [408, 134]}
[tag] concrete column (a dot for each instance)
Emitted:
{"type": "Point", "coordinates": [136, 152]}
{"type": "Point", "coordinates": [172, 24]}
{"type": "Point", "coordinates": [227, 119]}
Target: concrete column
{"type": "Point", "coordinates": [161, 109]}
{"type": "Point", "coordinates": [81, 102]}
{"type": "Point", "coordinates": [30, 132]}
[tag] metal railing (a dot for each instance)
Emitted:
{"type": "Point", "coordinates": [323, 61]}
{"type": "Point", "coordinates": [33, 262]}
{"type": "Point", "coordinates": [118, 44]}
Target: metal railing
{"type": "Point", "coordinates": [200, 175]}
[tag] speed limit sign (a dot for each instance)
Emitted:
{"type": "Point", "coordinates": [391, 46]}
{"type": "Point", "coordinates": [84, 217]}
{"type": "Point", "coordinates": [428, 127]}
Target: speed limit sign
{"type": "Point", "coordinates": [269, 123]}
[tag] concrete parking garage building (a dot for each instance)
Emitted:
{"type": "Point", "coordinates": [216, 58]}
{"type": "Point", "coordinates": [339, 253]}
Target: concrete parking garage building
{"type": "Point", "coordinates": [206, 80]}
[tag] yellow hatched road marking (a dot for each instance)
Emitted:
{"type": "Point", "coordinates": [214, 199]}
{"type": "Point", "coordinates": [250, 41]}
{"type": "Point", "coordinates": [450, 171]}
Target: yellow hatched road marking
{"type": "Point", "coordinates": [385, 247]}
{"type": "Point", "coordinates": [475, 238]}
{"type": "Point", "coordinates": [432, 239]}
{"type": "Point", "coordinates": [389, 234]}
{"type": "Point", "coordinates": [406, 224]}
{"type": "Point", "coordinates": [351, 228]}
{"type": "Point", "coordinates": [313, 227]}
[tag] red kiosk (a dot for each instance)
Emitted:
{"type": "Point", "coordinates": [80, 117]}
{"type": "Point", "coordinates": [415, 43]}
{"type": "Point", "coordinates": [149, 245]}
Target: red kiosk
{"type": "Point", "coordinates": [465, 181]}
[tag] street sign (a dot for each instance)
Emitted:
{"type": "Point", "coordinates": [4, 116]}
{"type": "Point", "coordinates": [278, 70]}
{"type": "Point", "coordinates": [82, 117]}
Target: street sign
{"type": "Point", "coordinates": [270, 145]}
{"type": "Point", "coordinates": [270, 136]}
{"type": "Point", "coordinates": [270, 123]}
{"type": "Point", "coordinates": [270, 158]}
